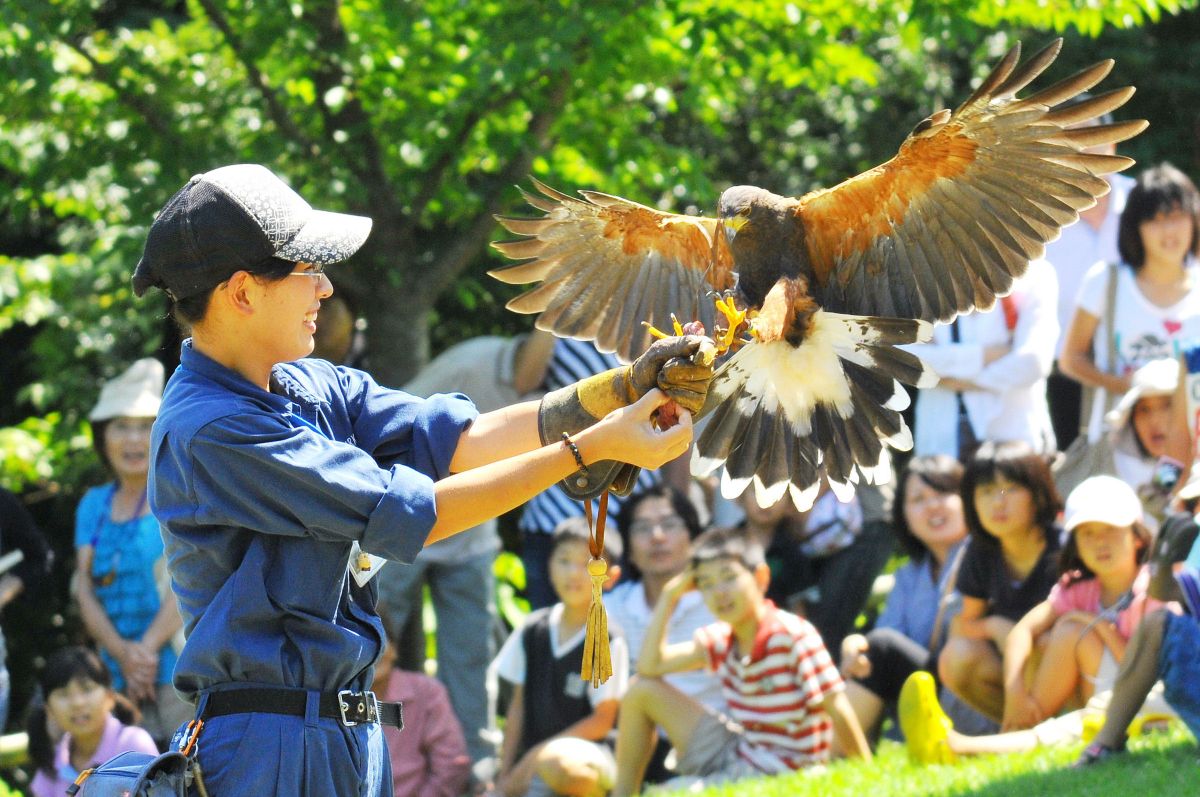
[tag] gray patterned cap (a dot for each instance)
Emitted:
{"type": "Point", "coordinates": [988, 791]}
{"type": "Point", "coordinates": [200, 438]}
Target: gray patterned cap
{"type": "Point", "coordinates": [238, 218]}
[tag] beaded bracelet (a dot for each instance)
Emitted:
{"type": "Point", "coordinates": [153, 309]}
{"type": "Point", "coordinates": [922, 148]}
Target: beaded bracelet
{"type": "Point", "coordinates": [578, 458]}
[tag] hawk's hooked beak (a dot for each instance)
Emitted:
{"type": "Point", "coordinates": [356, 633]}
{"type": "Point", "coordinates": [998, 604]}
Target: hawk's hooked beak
{"type": "Point", "coordinates": [731, 225]}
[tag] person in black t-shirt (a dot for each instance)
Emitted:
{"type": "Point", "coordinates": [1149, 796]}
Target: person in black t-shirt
{"type": "Point", "coordinates": [1009, 566]}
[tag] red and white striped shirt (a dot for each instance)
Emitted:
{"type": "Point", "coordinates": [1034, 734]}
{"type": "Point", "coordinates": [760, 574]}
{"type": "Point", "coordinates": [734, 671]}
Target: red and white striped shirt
{"type": "Point", "coordinates": [776, 693]}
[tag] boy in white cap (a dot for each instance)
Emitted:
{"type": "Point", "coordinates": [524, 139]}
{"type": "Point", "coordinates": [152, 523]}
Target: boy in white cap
{"type": "Point", "coordinates": [273, 476]}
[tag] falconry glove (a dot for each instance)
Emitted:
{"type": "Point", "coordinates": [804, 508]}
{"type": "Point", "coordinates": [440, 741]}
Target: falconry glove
{"type": "Point", "coordinates": [680, 366]}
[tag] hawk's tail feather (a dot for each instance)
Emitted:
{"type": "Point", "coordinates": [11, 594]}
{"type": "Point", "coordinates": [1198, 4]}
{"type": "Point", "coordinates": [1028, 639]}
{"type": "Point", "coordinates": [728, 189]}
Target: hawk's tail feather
{"type": "Point", "coordinates": [780, 416]}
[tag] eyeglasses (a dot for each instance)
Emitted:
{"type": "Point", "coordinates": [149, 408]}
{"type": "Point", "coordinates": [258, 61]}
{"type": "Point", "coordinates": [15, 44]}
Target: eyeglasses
{"type": "Point", "coordinates": [672, 524]}
{"type": "Point", "coordinates": [129, 427]}
{"type": "Point", "coordinates": [316, 270]}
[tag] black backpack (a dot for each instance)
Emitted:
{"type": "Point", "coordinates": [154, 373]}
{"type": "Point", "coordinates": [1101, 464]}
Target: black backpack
{"type": "Point", "coordinates": [136, 775]}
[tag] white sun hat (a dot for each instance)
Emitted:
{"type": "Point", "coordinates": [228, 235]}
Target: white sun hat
{"type": "Point", "coordinates": [1155, 378]}
{"type": "Point", "coordinates": [135, 393]}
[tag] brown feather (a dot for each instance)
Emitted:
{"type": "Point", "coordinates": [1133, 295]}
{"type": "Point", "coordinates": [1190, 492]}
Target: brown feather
{"type": "Point", "coordinates": [997, 76]}
{"type": "Point", "coordinates": [520, 226]}
{"type": "Point", "coordinates": [1092, 108]}
{"type": "Point", "coordinates": [1029, 71]}
{"type": "Point", "coordinates": [1103, 134]}
{"type": "Point", "coordinates": [1069, 87]}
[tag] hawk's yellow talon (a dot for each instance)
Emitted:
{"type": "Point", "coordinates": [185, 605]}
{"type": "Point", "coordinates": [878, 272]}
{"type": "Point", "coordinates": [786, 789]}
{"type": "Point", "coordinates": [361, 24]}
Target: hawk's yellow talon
{"type": "Point", "coordinates": [734, 319]}
{"type": "Point", "coordinates": [655, 331]}
{"type": "Point", "coordinates": [678, 327]}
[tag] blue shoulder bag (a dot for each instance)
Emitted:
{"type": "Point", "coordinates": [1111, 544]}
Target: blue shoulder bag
{"type": "Point", "coordinates": [136, 775]}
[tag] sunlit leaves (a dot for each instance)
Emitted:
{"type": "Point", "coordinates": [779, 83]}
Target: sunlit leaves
{"type": "Point", "coordinates": [423, 115]}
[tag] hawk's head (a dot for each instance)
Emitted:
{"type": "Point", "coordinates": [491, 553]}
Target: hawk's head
{"type": "Point", "coordinates": [743, 203]}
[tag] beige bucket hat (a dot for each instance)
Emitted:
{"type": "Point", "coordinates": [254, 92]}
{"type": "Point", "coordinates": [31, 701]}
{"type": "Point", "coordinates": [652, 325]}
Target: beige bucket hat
{"type": "Point", "coordinates": [1155, 378]}
{"type": "Point", "coordinates": [135, 393]}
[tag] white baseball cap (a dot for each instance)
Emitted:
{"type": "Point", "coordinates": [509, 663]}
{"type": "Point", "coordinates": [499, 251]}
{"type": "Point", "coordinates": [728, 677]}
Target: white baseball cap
{"type": "Point", "coordinates": [1103, 499]}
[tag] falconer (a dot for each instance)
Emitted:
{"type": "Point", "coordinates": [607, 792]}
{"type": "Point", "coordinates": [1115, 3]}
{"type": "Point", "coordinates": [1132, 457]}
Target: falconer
{"type": "Point", "coordinates": [283, 483]}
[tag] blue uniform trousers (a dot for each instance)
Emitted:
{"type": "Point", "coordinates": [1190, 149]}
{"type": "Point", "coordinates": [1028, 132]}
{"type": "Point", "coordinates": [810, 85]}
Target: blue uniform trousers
{"type": "Point", "coordinates": [264, 754]}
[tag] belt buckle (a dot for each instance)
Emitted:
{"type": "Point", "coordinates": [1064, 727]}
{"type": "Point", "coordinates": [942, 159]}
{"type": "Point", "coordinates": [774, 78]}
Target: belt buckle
{"type": "Point", "coordinates": [362, 705]}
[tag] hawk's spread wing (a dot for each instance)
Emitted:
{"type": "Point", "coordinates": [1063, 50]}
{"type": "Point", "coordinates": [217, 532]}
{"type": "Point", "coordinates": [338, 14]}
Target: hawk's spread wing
{"type": "Point", "coordinates": [971, 197]}
{"type": "Point", "coordinates": [607, 264]}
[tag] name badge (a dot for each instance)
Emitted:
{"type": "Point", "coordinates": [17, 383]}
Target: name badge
{"type": "Point", "coordinates": [363, 566]}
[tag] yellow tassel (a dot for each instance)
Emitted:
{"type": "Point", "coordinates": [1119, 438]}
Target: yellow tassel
{"type": "Point", "coordinates": [597, 660]}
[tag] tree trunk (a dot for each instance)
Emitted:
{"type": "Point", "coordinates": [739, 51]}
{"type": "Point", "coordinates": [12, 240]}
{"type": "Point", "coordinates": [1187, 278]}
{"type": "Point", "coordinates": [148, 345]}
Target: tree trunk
{"type": "Point", "coordinates": [386, 288]}
{"type": "Point", "coordinates": [397, 336]}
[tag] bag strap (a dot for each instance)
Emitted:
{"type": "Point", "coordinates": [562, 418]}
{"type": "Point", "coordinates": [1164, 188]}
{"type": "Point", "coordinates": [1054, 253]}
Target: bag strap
{"type": "Point", "coordinates": [1110, 313]}
{"type": "Point", "coordinates": [935, 638]}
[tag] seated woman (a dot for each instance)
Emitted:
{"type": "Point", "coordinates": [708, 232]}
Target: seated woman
{"type": "Point", "coordinates": [1009, 566]}
{"type": "Point", "coordinates": [929, 523]}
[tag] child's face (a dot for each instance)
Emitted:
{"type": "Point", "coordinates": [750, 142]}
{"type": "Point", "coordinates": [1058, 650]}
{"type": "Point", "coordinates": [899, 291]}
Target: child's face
{"type": "Point", "coordinates": [81, 707]}
{"type": "Point", "coordinates": [568, 573]}
{"type": "Point", "coordinates": [1005, 508]}
{"type": "Point", "coordinates": [729, 588]}
{"type": "Point", "coordinates": [1151, 420]}
{"type": "Point", "coordinates": [1105, 548]}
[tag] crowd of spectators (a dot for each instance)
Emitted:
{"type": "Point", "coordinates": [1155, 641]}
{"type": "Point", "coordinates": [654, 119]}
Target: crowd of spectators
{"type": "Point", "coordinates": [1034, 578]}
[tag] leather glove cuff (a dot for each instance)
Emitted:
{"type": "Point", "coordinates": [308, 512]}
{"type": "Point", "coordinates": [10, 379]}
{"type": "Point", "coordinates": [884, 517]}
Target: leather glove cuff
{"type": "Point", "coordinates": [574, 408]}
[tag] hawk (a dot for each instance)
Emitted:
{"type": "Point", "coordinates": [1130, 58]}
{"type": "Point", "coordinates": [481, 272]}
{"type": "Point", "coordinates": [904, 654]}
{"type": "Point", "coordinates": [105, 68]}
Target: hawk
{"type": "Point", "coordinates": [833, 281]}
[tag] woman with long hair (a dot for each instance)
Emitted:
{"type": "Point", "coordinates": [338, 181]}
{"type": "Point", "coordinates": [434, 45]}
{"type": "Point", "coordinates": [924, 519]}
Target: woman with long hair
{"type": "Point", "coordinates": [1156, 298]}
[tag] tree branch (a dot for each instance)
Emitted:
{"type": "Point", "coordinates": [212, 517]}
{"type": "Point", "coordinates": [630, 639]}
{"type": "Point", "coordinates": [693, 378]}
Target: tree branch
{"type": "Point", "coordinates": [275, 109]}
{"type": "Point", "coordinates": [352, 117]}
{"type": "Point", "coordinates": [431, 180]}
{"type": "Point", "coordinates": [468, 245]}
{"type": "Point", "coordinates": [153, 116]}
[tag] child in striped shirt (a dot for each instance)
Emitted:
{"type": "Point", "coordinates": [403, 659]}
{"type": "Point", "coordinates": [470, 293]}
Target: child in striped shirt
{"type": "Point", "coordinates": [786, 703]}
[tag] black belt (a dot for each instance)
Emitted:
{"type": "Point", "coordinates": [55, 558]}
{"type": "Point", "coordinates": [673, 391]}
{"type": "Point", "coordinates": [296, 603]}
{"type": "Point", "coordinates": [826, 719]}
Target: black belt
{"type": "Point", "coordinates": [349, 707]}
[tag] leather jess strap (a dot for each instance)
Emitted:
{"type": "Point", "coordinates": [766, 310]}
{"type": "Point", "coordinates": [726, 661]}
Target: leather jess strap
{"type": "Point", "coordinates": [348, 707]}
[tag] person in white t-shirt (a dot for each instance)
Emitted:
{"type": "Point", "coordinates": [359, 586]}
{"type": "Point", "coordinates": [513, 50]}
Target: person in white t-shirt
{"type": "Point", "coordinates": [657, 528]}
{"type": "Point", "coordinates": [1157, 305]}
{"type": "Point", "coordinates": [993, 367]}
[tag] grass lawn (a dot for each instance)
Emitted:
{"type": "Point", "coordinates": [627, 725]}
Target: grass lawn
{"type": "Point", "coordinates": [1159, 765]}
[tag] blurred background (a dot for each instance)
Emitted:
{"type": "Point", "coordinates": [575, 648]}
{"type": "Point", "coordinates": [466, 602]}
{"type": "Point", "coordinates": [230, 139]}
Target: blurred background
{"type": "Point", "coordinates": [425, 116]}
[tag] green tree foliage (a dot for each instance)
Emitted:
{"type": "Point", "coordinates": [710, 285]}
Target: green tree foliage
{"type": "Point", "coordinates": [424, 115]}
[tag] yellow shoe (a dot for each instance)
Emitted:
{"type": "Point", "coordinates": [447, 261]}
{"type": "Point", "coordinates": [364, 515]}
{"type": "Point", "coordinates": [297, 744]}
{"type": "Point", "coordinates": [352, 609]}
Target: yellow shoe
{"type": "Point", "coordinates": [926, 727]}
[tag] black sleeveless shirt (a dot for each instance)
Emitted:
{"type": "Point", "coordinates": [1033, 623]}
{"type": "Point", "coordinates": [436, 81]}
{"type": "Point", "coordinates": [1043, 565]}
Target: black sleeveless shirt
{"type": "Point", "coordinates": [555, 696]}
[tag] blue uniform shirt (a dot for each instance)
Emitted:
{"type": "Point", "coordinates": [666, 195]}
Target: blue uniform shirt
{"type": "Point", "coordinates": [260, 497]}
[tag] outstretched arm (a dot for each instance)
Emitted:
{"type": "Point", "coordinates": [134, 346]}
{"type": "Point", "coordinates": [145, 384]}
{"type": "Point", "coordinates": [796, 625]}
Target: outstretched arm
{"type": "Point", "coordinates": [472, 496]}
